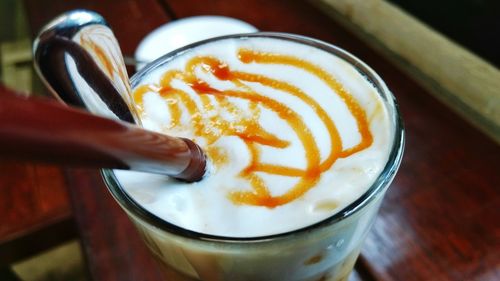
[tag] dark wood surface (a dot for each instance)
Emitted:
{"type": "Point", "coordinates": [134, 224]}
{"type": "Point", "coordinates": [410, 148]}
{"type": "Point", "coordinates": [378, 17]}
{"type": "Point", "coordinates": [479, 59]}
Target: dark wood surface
{"type": "Point", "coordinates": [35, 212]}
{"type": "Point", "coordinates": [439, 220]}
{"type": "Point", "coordinates": [40, 194]}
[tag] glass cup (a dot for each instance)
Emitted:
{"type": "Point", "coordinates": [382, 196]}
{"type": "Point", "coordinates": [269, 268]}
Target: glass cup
{"type": "Point", "coordinates": [326, 250]}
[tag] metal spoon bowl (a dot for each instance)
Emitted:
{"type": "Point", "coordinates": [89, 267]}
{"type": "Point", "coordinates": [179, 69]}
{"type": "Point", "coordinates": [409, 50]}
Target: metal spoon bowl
{"type": "Point", "coordinates": [79, 59]}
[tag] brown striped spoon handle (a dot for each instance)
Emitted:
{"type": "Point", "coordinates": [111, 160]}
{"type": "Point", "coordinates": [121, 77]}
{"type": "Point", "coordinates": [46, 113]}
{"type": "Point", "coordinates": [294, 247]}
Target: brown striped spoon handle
{"type": "Point", "coordinates": [42, 130]}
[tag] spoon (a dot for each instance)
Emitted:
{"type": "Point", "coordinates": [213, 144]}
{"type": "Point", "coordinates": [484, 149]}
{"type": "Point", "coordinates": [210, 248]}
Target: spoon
{"type": "Point", "coordinates": [79, 60]}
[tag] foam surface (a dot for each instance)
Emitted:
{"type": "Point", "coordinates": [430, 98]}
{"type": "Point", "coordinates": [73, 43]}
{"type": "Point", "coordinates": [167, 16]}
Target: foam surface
{"type": "Point", "coordinates": [207, 206]}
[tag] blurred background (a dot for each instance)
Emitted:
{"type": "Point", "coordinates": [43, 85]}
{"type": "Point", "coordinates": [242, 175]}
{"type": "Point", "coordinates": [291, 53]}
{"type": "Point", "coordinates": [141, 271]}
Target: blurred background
{"type": "Point", "coordinates": [474, 24]}
{"type": "Point", "coordinates": [38, 236]}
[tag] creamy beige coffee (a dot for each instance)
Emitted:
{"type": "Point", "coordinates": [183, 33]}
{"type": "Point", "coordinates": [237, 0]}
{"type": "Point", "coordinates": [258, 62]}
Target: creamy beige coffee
{"type": "Point", "coordinates": [301, 147]}
{"type": "Point", "coordinates": [293, 134]}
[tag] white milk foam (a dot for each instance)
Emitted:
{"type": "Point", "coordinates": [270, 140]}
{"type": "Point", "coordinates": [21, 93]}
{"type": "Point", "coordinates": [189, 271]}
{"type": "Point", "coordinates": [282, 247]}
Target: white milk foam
{"type": "Point", "coordinates": [205, 206]}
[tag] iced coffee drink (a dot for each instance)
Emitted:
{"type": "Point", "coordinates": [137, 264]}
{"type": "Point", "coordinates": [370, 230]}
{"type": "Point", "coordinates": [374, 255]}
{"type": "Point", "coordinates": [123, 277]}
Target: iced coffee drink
{"type": "Point", "coordinates": [302, 140]}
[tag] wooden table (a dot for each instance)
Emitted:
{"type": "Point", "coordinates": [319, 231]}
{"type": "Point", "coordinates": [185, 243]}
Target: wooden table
{"type": "Point", "coordinates": [439, 220]}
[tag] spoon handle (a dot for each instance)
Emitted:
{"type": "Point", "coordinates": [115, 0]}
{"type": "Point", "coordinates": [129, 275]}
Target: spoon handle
{"type": "Point", "coordinates": [79, 59]}
{"type": "Point", "coordinates": [41, 130]}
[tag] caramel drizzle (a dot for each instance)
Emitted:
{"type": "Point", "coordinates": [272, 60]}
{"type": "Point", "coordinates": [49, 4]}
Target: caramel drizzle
{"type": "Point", "coordinates": [246, 126]}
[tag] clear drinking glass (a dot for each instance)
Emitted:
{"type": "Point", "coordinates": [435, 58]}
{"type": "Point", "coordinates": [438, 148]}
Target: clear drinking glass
{"type": "Point", "coordinates": [324, 251]}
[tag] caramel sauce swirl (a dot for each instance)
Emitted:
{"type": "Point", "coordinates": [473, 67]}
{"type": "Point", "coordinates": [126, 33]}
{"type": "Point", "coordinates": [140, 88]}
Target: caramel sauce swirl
{"type": "Point", "coordinates": [245, 125]}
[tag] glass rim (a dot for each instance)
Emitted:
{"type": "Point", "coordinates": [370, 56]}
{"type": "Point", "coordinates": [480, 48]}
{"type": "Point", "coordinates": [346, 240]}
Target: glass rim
{"type": "Point", "coordinates": [382, 181]}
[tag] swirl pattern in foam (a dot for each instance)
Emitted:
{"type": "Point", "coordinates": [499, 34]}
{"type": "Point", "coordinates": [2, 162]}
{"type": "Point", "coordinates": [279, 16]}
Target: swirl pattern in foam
{"type": "Point", "coordinates": [293, 134]}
